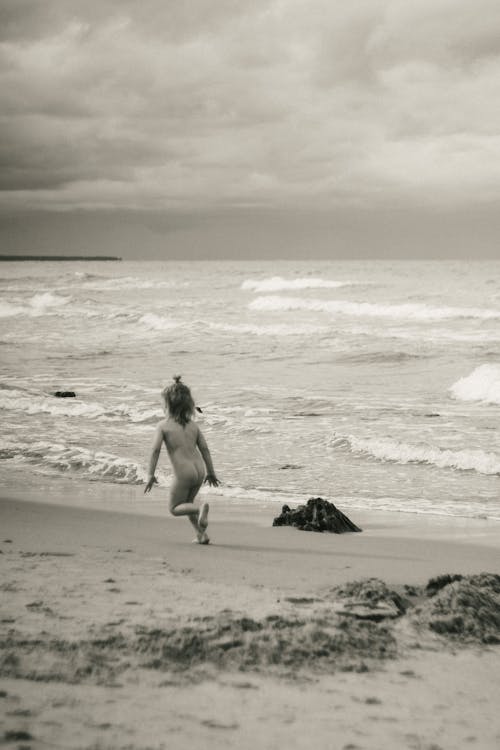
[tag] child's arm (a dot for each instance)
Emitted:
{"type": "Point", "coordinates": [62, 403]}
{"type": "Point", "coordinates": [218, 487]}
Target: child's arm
{"type": "Point", "coordinates": [203, 447]}
{"type": "Point", "coordinates": [155, 453]}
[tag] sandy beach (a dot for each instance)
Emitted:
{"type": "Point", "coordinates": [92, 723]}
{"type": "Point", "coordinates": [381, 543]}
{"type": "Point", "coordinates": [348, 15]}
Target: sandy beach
{"type": "Point", "coordinates": [117, 632]}
{"type": "Point", "coordinates": [249, 256]}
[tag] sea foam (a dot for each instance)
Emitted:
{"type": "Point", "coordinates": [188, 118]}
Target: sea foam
{"type": "Point", "coordinates": [158, 322]}
{"type": "Point", "coordinates": [18, 400]}
{"type": "Point", "coordinates": [85, 463]}
{"type": "Point", "coordinates": [113, 284]}
{"type": "Point", "coordinates": [270, 330]}
{"type": "Point", "coordinates": [42, 303]}
{"type": "Point", "coordinates": [483, 384]}
{"type": "Point", "coordinates": [39, 304]}
{"type": "Point", "coordinates": [404, 453]}
{"type": "Point", "coordinates": [9, 309]}
{"type": "Point", "coordinates": [342, 307]}
{"type": "Point", "coordinates": [277, 283]}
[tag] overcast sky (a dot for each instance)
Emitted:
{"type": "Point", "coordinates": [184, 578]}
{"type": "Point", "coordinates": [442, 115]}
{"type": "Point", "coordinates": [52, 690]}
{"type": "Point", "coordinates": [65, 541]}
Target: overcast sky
{"type": "Point", "coordinates": [250, 128]}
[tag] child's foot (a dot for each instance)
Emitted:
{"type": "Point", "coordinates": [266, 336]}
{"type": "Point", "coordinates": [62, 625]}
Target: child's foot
{"type": "Point", "coordinates": [201, 538]}
{"type": "Point", "coordinates": [203, 517]}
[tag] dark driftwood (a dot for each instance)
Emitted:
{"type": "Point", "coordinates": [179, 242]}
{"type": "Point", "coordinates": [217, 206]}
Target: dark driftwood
{"type": "Point", "coordinates": [316, 515]}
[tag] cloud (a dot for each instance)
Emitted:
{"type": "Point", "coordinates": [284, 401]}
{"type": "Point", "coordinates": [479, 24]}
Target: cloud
{"type": "Point", "coordinates": [219, 103]}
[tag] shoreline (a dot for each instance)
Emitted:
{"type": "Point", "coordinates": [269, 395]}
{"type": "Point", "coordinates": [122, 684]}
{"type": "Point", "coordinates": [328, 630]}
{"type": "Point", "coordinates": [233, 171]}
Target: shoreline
{"type": "Point", "coordinates": [130, 498]}
{"type": "Point", "coordinates": [400, 550]}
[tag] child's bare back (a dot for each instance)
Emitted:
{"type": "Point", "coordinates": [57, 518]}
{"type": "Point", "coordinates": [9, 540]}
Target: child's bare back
{"type": "Point", "coordinates": [182, 447]}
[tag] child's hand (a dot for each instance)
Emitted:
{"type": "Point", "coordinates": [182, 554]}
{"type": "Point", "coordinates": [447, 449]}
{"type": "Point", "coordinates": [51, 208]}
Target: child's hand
{"type": "Point", "coordinates": [212, 480]}
{"type": "Point", "coordinates": [150, 483]}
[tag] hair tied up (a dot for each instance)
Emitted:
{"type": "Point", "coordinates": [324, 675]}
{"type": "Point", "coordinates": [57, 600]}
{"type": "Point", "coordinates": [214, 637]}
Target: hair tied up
{"type": "Point", "coordinates": [179, 401]}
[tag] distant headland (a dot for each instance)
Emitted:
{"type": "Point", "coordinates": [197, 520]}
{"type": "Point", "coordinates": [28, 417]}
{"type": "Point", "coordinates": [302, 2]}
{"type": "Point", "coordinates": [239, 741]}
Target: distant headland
{"type": "Point", "coordinates": [58, 257]}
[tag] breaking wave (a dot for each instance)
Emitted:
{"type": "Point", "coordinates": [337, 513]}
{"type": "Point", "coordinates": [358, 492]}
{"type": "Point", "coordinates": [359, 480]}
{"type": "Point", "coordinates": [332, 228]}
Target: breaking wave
{"type": "Point", "coordinates": [483, 384]}
{"type": "Point", "coordinates": [86, 275]}
{"type": "Point", "coordinates": [8, 310]}
{"type": "Point", "coordinates": [39, 304]}
{"type": "Point", "coordinates": [277, 283]}
{"type": "Point", "coordinates": [406, 311]}
{"type": "Point", "coordinates": [404, 453]}
{"type": "Point", "coordinates": [270, 330]}
{"type": "Point", "coordinates": [78, 461]}
{"type": "Point", "coordinates": [113, 284]}
{"type": "Point", "coordinates": [158, 322]}
{"type": "Point", "coordinates": [19, 400]}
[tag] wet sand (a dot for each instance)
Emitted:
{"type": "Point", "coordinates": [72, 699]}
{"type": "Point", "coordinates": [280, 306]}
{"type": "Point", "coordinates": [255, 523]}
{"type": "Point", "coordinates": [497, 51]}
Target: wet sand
{"type": "Point", "coordinates": [117, 632]}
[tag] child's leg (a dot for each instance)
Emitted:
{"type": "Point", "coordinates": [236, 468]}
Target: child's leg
{"type": "Point", "coordinates": [182, 495]}
{"type": "Point", "coordinates": [202, 515]}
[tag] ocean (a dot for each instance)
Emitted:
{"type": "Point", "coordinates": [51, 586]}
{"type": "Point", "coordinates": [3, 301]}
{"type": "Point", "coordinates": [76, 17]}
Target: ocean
{"type": "Point", "coordinates": [374, 384]}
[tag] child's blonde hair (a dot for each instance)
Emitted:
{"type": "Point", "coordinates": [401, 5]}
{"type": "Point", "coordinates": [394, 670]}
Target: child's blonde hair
{"type": "Point", "coordinates": [179, 401]}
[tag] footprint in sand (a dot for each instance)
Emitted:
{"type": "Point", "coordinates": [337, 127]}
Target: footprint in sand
{"type": "Point", "coordinates": [20, 712]}
{"type": "Point", "coordinates": [213, 724]}
{"type": "Point", "coordinates": [15, 736]}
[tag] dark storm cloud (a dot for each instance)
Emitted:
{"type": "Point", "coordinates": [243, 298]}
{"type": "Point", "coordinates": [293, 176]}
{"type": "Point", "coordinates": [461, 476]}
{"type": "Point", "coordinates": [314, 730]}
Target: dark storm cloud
{"type": "Point", "coordinates": [218, 104]}
{"type": "Point", "coordinates": [27, 20]}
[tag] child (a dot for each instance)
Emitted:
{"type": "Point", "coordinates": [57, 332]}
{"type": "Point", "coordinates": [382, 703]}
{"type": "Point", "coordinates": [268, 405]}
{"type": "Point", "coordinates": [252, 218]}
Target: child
{"type": "Point", "coordinates": [189, 455]}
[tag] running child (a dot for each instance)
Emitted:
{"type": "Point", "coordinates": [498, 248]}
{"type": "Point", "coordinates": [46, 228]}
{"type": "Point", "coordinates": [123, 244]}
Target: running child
{"type": "Point", "coordinates": [189, 456]}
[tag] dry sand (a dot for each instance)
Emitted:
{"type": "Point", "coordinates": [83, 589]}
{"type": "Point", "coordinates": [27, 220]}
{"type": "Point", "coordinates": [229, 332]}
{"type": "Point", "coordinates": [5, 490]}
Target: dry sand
{"type": "Point", "coordinates": [116, 632]}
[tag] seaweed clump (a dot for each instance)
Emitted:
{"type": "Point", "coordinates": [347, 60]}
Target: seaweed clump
{"type": "Point", "coordinates": [281, 644]}
{"type": "Point", "coordinates": [370, 599]}
{"type": "Point", "coordinates": [465, 608]}
{"type": "Point", "coordinates": [276, 643]}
